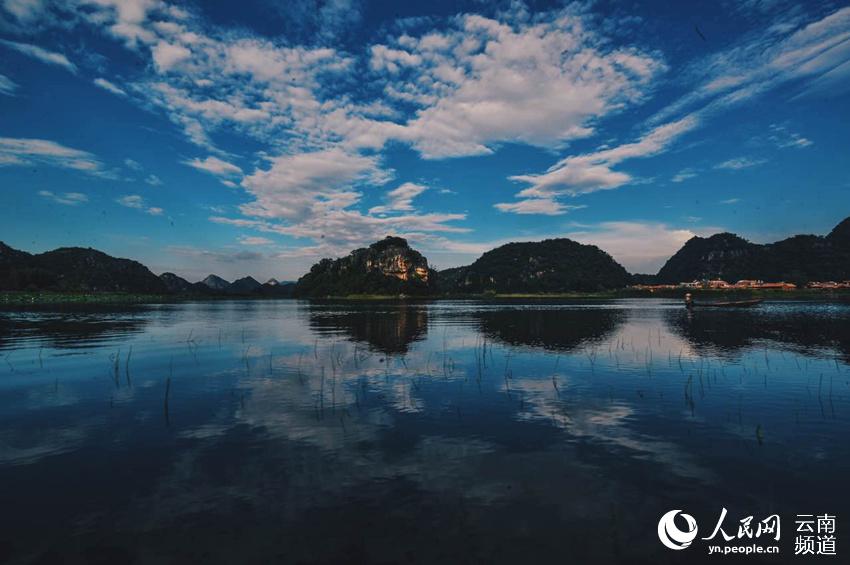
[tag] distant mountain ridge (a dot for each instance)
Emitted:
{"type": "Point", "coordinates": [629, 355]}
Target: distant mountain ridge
{"type": "Point", "coordinates": [392, 267]}
{"type": "Point", "coordinates": [76, 269]}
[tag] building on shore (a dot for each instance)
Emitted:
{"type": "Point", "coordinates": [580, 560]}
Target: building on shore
{"type": "Point", "coordinates": [745, 284]}
{"type": "Point", "coordinates": [829, 285]}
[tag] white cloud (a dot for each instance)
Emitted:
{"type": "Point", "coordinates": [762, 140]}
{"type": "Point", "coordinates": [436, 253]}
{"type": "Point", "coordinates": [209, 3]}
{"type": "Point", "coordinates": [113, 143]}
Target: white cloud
{"type": "Point", "coordinates": [132, 201]}
{"type": "Point", "coordinates": [392, 60]}
{"type": "Point", "coordinates": [23, 10]}
{"type": "Point", "coordinates": [783, 138]}
{"type": "Point", "coordinates": [215, 166]}
{"type": "Point", "coordinates": [166, 56]}
{"type": "Point", "coordinates": [786, 51]}
{"type": "Point", "coordinates": [734, 76]}
{"type": "Point", "coordinates": [400, 199]}
{"type": "Point", "coordinates": [313, 195]}
{"type": "Point", "coordinates": [153, 180]}
{"type": "Point", "coordinates": [7, 86]}
{"type": "Point", "coordinates": [482, 82]}
{"type": "Point", "coordinates": [738, 163]}
{"type": "Point", "coordinates": [32, 152]}
{"type": "Point", "coordinates": [43, 55]}
{"type": "Point", "coordinates": [540, 206]}
{"type": "Point", "coordinates": [66, 198]}
{"type": "Point", "coordinates": [295, 186]}
{"type": "Point", "coordinates": [591, 172]}
{"type": "Point", "coordinates": [641, 247]}
{"type": "Point", "coordinates": [131, 164]}
{"type": "Point", "coordinates": [109, 86]}
{"type": "Point", "coordinates": [138, 203]}
{"type": "Point", "coordinates": [730, 201]}
{"type": "Point", "coordinates": [254, 240]}
{"type": "Point", "coordinates": [684, 175]}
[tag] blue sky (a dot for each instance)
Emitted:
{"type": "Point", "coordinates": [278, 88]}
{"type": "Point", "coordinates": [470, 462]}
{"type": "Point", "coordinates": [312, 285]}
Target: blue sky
{"type": "Point", "coordinates": [255, 138]}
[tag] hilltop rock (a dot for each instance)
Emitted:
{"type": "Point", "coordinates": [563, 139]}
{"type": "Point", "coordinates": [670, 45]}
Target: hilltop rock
{"type": "Point", "coordinates": [549, 266]}
{"type": "Point", "coordinates": [389, 266]}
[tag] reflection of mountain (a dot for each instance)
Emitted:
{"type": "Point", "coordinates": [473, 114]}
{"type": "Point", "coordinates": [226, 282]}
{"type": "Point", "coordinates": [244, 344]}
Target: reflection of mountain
{"type": "Point", "coordinates": [819, 325]}
{"type": "Point", "coordinates": [389, 328]}
{"type": "Point", "coordinates": [559, 329]}
{"type": "Point", "coordinates": [69, 329]}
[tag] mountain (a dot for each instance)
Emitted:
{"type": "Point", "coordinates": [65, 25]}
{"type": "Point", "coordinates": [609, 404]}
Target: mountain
{"type": "Point", "coordinates": [276, 289]}
{"type": "Point", "coordinates": [839, 237]}
{"type": "Point", "coordinates": [175, 283]}
{"type": "Point", "coordinates": [75, 269]}
{"type": "Point", "coordinates": [552, 265]}
{"type": "Point", "coordinates": [389, 266]}
{"type": "Point", "coordinates": [179, 285]}
{"type": "Point", "coordinates": [723, 255]}
{"type": "Point", "coordinates": [216, 283]}
{"type": "Point", "coordinates": [798, 259]}
{"type": "Point", "coordinates": [245, 285]}
{"type": "Point", "coordinates": [9, 255]}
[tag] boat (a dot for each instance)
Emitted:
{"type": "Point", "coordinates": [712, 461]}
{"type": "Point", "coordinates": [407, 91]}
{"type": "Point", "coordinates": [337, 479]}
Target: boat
{"type": "Point", "coordinates": [723, 304]}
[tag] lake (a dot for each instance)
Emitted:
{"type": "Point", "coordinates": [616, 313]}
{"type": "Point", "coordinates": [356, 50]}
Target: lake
{"type": "Point", "coordinates": [447, 431]}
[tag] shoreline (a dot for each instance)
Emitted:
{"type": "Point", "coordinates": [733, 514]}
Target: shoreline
{"type": "Point", "coordinates": [22, 298]}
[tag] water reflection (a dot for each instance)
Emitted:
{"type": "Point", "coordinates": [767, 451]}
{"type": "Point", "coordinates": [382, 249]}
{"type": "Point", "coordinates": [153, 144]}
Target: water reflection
{"type": "Point", "coordinates": [558, 329]}
{"type": "Point", "coordinates": [303, 432]}
{"type": "Point", "coordinates": [818, 325]}
{"type": "Point", "coordinates": [70, 328]}
{"type": "Point", "coordinates": [389, 328]}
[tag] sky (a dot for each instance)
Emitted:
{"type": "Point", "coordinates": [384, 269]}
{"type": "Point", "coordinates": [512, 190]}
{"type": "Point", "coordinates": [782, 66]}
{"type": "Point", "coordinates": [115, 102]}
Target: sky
{"type": "Point", "coordinates": [255, 138]}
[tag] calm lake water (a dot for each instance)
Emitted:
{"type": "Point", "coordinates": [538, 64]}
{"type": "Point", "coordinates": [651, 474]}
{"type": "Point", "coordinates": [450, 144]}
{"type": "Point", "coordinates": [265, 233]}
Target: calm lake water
{"type": "Point", "coordinates": [455, 431]}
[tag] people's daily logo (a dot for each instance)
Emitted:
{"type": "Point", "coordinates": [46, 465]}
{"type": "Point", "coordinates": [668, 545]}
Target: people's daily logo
{"type": "Point", "coordinates": [671, 535]}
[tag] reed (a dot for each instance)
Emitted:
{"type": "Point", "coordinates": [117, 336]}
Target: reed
{"type": "Point", "coordinates": [127, 365]}
{"type": "Point", "coordinates": [165, 409]}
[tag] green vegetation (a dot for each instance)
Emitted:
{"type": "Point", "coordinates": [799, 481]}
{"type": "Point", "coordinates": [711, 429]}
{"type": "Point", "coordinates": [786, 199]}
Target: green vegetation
{"type": "Point", "coordinates": [12, 298]}
{"type": "Point", "coordinates": [552, 266]}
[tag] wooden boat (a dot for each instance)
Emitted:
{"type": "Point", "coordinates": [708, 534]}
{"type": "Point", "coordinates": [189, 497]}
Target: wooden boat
{"type": "Point", "coordinates": [726, 304]}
